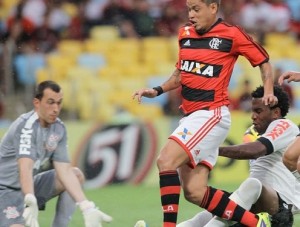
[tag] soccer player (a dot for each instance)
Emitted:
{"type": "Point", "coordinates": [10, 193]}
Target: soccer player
{"type": "Point", "coordinates": [291, 157]}
{"type": "Point", "coordinates": [208, 50]}
{"type": "Point", "coordinates": [264, 143]}
{"type": "Point", "coordinates": [33, 142]}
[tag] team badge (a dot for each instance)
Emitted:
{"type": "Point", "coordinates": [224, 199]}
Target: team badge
{"type": "Point", "coordinates": [51, 143]}
{"type": "Point", "coordinates": [11, 212]}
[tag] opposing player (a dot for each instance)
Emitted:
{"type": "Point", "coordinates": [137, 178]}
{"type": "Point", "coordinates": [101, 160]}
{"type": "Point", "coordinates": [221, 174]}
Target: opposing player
{"type": "Point", "coordinates": [291, 157]}
{"type": "Point", "coordinates": [208, 50]}
{"type": "Point", "coordinates": [33, 142]}
{"type": "Point", "coordinates": [271, 134]}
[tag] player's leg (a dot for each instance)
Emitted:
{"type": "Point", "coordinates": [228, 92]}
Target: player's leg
{"type": "Point", "coordinates": [199, 220]}
{"type": "Point", "coordinates": [171, 156]}
{"type": "Point", "coordinates": [48, 186]}
{"type": "Point", "coordinates": [65, 205]}
{"type": "Point", "coordinates": [214, 200]}
{"type": "Point", "coordinates": [246, 195]}
{"type": "Point", "coordinates": [291, 155]}
{"type": "Point", "coordinates": [11, 208]}
{"type": "Point", "coordinates": [267, 202]}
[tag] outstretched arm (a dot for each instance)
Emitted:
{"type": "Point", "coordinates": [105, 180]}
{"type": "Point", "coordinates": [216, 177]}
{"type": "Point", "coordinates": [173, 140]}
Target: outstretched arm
{"type": "Point", "coordinates": [289, 76]}
{"type": "Point", "coordinates": [172, 83]}
{"type": "Point", "coordinates": [268, 82]}
{"type": "Point", "coordinates": [250, 150]}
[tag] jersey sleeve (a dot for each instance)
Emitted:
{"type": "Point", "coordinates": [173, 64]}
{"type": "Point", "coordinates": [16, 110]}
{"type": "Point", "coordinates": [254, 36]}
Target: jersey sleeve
{"type": "Point", "coordinates": [61, 152]}
{"type": "Point", "coordinates": [278, 134]}
{"type": "Point", "coordinates": [24, 141]}
{"type": "Point", "coordinates": [245, 45]}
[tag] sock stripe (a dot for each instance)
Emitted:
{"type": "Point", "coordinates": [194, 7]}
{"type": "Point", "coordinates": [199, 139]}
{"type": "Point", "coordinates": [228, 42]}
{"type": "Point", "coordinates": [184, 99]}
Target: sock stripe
{"type": "Point", "coordinates": [168, 199]}
{"type": "Point", "coordinates": [170, 190]}
{"type": "Point", "coordinates": [170, 219]}
{"type": "Point", "coordinates": [215, 200]}
{"type": "Point", "coordinates": [205, 197]}
{"type": "Point", "coordinates": [230, 210]}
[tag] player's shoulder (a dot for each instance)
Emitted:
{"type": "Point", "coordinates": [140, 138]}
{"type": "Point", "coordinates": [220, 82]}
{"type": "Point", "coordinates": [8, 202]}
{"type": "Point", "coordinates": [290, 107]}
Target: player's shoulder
{"type": "Point", "coordinates": [60, 124]}
{"type": "Point", "coordinates": [283, 125]}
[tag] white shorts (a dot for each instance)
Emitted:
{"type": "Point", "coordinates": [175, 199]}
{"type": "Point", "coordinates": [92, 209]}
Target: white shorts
{"type": "Point", "coordinates": [201, 133]}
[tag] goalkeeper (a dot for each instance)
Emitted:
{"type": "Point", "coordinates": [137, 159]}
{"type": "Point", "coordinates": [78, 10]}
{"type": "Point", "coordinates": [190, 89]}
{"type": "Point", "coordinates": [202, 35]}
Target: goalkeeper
{"type": "Point", "coordinates": [34, 142]}
{"type": "Point", "coordinates": [271, 187]}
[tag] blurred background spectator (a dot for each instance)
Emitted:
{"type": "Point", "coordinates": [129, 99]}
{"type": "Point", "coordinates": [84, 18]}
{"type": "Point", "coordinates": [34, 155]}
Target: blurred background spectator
{"type": "Point", "coordinates": [113, 46]}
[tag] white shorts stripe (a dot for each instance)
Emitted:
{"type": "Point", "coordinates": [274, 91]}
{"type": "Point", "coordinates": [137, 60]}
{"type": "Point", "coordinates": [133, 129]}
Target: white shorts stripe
{"type": "Point", "coordinates": [202, 132]}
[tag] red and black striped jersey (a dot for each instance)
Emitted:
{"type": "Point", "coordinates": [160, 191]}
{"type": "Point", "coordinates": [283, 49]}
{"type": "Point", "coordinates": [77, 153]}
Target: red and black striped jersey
{"type": "Point", "coordinates": [206, 63]}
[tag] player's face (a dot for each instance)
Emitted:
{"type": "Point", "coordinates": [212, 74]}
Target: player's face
{"type": "Point", "coordinates": [201, 16]}
{"type": "Point", "coordinates": [49, 107]}
{"type": "Point", "coordinates": [262, 115]}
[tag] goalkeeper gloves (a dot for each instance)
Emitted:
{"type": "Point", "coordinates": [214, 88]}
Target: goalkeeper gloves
{"type": "Point", "coordinates": [93, 217]}
{"type": "Point", "coordinates": [31, 211]}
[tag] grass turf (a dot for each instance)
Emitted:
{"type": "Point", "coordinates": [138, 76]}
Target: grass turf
{"type": "Point", "coordinates": [127, 204]}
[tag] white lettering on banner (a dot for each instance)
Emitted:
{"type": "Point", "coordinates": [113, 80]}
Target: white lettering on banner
{"type": "Point", "coordinates": [100, 151]}
{"type": "Point", "coordinates": [25, 142]}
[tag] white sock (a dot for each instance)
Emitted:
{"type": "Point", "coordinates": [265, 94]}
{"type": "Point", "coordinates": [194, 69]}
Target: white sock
{"type": "Point", "coordinates": [199, 220]}
{"type": "Point", "coordinates": [245, 196]}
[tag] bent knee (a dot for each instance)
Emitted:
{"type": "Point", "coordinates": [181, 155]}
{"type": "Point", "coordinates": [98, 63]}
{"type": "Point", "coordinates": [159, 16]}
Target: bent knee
{"type": "Point", "coordinates": [194, 196]}
{"type": "Point", "coordinates": [79, 174]}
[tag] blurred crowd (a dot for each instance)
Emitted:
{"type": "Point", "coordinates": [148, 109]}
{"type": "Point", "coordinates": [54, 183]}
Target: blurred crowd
{"type": "Point", "coordinates": [38, 25]}
{"type": "Point", "coordinates": [45, 21]}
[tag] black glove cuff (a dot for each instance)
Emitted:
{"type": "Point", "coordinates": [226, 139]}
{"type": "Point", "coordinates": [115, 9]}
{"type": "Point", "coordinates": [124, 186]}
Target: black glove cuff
{"type": "Point", "coordinates": [159, 90]}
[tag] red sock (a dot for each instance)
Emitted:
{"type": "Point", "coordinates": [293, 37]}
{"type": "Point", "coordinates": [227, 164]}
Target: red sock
{"type": "Point", "coordinates": [218, 203]}
{"type": "Point", "coordinates": [169, 192]}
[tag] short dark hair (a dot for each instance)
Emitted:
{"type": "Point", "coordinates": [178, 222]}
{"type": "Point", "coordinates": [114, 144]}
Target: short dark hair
{"type": "Point", "coordinates": [39, 92]}
{"type": "Point", "coordinates": [282, 96]}
{"type": "Point", "coordinates": [212, 1]}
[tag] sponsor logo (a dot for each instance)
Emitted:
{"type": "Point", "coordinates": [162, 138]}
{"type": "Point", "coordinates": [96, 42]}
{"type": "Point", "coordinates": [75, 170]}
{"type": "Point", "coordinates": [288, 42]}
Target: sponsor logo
{"type": "Point", "coordinates": [215, 43]}
{"type": "Point", "coordinates": [228, 214]}
{"type": "Point", "coordinates": [11, 212]}
{"type": "Point", "coordinates": [168, 208]}
{"type": "Point", "coordinates": [117, 153]}
{"type": "Point", "coordinates": [200, 68]}
{"type": "Point", "coordinates": [25, 141]}
{"type": "Point", "coordinates": [184, 133]}
{"type": "Point", "coordinates": [187, 43]}
{"type": "Point", "coordinates": [278, 130]}
{"type": "Point", "coordinates": [186, 31]}
{"type": "Point", "coordinates": [197, 152]}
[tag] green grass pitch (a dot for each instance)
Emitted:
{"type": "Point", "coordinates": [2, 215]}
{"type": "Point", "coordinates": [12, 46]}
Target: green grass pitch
{"type": "Point", "coordinates": [127, 204]}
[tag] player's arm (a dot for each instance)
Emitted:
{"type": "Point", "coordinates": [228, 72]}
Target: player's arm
{"type": "Point", "coordinates": [172, 83]}
{"type": "Point", "coordinates": [91, 214]}
{"type": "Point", "coordinates": [289, 77]}
{"type": "Point", "coordinates": [250, 150]}
{"type": "Point", "coordinates": [30, 213]}
{"type": "Point", "coordinates": [69, 180]}
{"type": "Point", "coordinates": [26, 170]}
{"type": "Point", "coordinates": [267, 78]}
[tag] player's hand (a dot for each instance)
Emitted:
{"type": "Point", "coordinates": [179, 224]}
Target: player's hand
{"type": "Point", "coordinates": [31, 211]}
{"type": "Point", "coordinates": [289, 77]}
{"type": "Point", "coordinates": [93, 217]}
{"type": "Point", "coordinates": [270, 99]}
{"type": "Point", "coordinates": [146, 92]}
